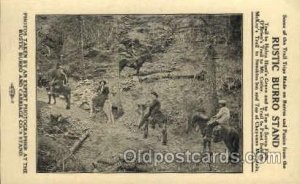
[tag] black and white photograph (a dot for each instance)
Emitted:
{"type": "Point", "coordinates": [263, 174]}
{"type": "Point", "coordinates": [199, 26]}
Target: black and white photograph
{"type": "Point", "coordinates": [139, 93]}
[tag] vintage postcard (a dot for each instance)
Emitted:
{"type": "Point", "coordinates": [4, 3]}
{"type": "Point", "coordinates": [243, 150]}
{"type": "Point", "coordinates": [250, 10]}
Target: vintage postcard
{"type": "Point", "coordinates": [149, 91]}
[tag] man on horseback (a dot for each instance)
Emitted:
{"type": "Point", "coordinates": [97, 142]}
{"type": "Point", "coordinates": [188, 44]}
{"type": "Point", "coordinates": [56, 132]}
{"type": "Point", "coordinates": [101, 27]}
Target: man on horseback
{"type": "Point", "coordinates": [217, 129]}
{"type": "Point", "coordinates": [58, 76]}
{"type": "Point", "coordinates": [58, 84]}
{"type": "Point", "coordinates": [154, 116]}
{"type": "Point", "coordinates": [220, 129]}
{"type": "Point", "coordinates": [154, 109]}
{"type": "Point", "coordinates": [222, 117]}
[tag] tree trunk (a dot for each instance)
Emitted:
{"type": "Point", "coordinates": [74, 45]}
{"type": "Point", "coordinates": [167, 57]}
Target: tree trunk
{"type": "Point", "coordinates": [211, 96]}
{"type": "Point", "coordinates": [82, 45]}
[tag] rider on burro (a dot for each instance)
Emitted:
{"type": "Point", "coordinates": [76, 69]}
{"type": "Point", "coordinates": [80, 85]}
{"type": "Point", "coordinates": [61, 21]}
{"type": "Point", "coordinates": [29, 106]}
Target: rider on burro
{"type": "Point", "coordinates": [58, 78]}
{"type": "Point", "coordinates": [221, 118]}
{"type": "Point", "coordinates": [154, 116]}
{"type": "Point", "coordinates": [154, 111]}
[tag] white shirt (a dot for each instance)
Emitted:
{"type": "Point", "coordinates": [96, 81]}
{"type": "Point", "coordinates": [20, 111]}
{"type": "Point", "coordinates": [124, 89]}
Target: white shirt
{"type": "Point", "coordinates": [223, 115]}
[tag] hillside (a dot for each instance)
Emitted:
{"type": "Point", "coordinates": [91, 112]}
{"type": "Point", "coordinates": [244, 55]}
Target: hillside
{"type": "Point", "coordinates": [136, 55]}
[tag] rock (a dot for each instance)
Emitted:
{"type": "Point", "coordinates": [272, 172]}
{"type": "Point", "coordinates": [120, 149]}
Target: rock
{"type": "Point", "coordinates": [85, 106]}
{"type": "Point", "coordinates": [56, 130]}
{"type": "Point", "coordinates": [135, 78]}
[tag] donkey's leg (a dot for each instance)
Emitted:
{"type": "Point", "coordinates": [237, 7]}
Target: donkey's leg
{"type": "Point", "coordinates": [108, 111]}
{"type": "Point", "coordinates": [146, 130]}
{"type": "Point", "coordinates": [49, 98]}
{"type": "Point", "coordinates": [209, 145]}
{"type": "Point", "coordinates": [164, 135]}
{"type": "Point", "coordinates": [91, 108]}
{"type": "Point", "coordinates": [112, 118]}
{"type": "Point", "coordinates": [205, 146]}
{"type": "Point", "coordinates": [102, 109]}
{"type": "Point", "coordinates": [144, 121]}
{"type": "Point", "coordinates": [67, 97]}
{"type": "Point", "coordinates": [54, 98]}
{"type": "Point", "coordinates": [210, 153]}
{"type": "Point", "coordinates": [230, 150]}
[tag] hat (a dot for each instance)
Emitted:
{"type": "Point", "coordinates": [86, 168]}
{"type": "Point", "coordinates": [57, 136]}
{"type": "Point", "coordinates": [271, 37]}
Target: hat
{"type": "Point", "coordinates": [102, 81]}
{"type": "Point", "coordinates": [154, 93]}
{"type": "Point", "coordinates": [222, 102]}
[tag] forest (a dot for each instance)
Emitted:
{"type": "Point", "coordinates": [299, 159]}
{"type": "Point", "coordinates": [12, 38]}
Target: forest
{"type": "Point", "coordinates": [191, 61]}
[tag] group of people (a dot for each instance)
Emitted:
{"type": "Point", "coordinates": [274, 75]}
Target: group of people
{"type": "Point", "coordinates": [153, 116]}
{"type": "Point", "coordinates": [221, 118]}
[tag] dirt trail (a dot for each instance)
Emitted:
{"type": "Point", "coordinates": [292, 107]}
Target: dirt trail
{"type": "Point", "coordinates": [107, 142]}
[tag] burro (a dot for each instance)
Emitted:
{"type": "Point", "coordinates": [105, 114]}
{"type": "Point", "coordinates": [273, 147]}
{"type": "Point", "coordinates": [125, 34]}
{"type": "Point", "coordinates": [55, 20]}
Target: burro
{"type": "Point", "coordinates": [275, 93]}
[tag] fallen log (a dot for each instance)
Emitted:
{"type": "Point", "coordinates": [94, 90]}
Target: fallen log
{"type": "Point", "coordinates": [107, 162]}
{"type": "Point", "coordinates": [142, 74]}
{"type": "Point", "coordinates": [71, 136]}
{"type": "Point", "coordinates": [74, 148]}
{"type": "Point", "coordinates": [154, 77]}
{"type": "Point", "coordinates": [79, 142]}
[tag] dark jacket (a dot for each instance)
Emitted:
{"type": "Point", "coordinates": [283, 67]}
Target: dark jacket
{"type": "Point", "coordinates": [154, 107]}
{"type": "Point", "coordinates": [105, 90]}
